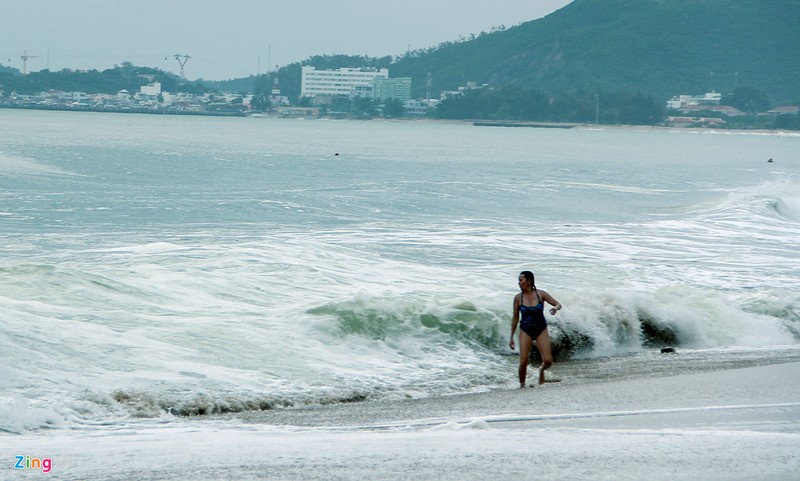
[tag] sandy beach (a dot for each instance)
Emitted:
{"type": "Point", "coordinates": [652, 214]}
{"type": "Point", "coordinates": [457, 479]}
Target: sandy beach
{"type": "Point", "coordinates": [724, 425]}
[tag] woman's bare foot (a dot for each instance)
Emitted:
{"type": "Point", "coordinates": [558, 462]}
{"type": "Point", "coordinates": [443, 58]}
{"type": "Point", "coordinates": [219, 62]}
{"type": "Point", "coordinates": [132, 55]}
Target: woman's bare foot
{"type": "Point", "coordinates": [541, 376]}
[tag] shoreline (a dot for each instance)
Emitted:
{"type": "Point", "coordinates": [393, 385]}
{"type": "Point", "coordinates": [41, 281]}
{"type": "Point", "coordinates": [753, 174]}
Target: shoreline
{"type": "Point", "coordinates": [473, 122]}
{"type": "Point", "coordinates": [732, 424]}
{"type": "Point", "coordinates": [547, 399]}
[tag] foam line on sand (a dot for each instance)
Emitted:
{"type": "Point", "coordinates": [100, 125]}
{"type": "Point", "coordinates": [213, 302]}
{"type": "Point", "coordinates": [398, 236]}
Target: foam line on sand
{"type": "Point", "coordinates": [741, 424]}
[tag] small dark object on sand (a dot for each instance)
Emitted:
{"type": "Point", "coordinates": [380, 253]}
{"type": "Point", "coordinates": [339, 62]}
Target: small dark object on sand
{"type": "Point", "coordinates": [665, 350]}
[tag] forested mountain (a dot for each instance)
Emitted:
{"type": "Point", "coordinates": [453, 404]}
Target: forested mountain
{"type": "Point", "coordinates": [657, 47]}
{"type": "Point", "coordinates": [651, 48]}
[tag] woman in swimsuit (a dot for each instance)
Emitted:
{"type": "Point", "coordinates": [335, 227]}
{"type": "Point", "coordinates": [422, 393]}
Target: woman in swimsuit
{"type": "Point", "coordinates": [529, 304]}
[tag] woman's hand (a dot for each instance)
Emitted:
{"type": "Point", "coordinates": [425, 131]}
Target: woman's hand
{"type": "Point", "coordinates": [511, 342]}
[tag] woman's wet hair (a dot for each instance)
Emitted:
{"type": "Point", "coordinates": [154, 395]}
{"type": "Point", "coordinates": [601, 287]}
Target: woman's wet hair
{"type": "Point", "coordinates": [529, 277]}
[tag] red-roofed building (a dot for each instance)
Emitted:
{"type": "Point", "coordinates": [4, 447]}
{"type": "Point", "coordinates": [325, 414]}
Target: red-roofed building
{"type": "Point", "coordinates": [721, 109]}
{"type": "Point", "coordinates": [785, 110]}
{"type": "Point", "coordinates": [695, 122]}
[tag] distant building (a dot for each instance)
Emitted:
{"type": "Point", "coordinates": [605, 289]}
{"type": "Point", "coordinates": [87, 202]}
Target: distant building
{"type": "Point", "coordinates": [695, 122]}
{"type": "Point", "coordinates": [461, 90]}
{"type": "Point", "coordinates": [785, 110]}
{"type": "Point", "coordinates": [719, 109]}
{"type": "Point", "coordinates": [362, 91]}
{"type": "Point", "coordinates": [339, 82]}
{"type": "Point", "coordinates": [153, 89]}
{"type": "Point", "coordinates": [298, 112]}
{"type": "Point", "coordinates": [275, 97]}
{"type": "Point", "coordinates": [391, 88]}
{"type": "Point", "coordinates": [708, 102]}
{"type": "Point", "coordinates": [419, 108]}
{"type": "Point", "coordinates": [683, 101]}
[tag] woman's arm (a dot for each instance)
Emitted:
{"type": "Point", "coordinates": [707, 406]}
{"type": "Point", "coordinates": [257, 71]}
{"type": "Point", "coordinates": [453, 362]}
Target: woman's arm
{"type": "Point", "coordinates": [552, 301]}
{"type": "Point", "coordinates": [514, 321]}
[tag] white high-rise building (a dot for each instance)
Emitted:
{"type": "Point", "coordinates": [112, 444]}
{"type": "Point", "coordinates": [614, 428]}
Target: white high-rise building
{"type": "Point", "coordinates": [336, 82]}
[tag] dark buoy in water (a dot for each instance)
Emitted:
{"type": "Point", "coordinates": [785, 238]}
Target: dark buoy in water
{"type": "Point", "coordinates": [666, 350]}
{"type": "Point", "coordinates": [769, 161]}
{"type": "Point", "coordinates": [337, 155]}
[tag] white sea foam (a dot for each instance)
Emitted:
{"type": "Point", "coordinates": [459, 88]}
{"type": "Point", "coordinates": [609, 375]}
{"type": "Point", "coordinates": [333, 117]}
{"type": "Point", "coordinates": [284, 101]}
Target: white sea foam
{"type": "Point", "coordinates": [250, 273]}
{"type": "Point", "coordinates": [18, 165]}
{"type": "Point", "coordinates": [177, 333]}
{"type": "Point", "coordinates": [621, 188]}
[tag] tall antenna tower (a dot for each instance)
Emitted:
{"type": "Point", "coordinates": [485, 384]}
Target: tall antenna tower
{"type": "Point", "coordinates": [182, 59]}
{"type": "Point", "coordinates": [25, 57]}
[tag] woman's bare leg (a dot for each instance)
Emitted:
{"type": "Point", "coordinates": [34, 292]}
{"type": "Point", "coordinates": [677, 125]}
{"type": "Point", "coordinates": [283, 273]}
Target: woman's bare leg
{"type": "Point", "coordinates": [525, 343]}
{"type": "Point", "coordinates": [543, 345]}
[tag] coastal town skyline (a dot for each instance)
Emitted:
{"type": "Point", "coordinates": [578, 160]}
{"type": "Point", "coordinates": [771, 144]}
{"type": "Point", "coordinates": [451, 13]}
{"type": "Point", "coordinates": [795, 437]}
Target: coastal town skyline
{"type": "Point", "coordinates": [238, 38]}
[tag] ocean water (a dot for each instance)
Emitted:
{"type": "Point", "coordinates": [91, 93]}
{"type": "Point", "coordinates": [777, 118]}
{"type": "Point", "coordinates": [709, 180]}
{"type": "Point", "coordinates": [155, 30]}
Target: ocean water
{"type": "Point", "coordinates": [155, 267]}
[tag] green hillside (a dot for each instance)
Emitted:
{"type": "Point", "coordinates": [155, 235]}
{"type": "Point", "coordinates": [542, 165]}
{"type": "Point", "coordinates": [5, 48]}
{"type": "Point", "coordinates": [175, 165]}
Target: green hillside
{"type": "Point", "coordinates": [653, 48]}
{"type": "Point", "coordinates": [126, 76]}
{"type": "Point", "coordinates": [656, 47]}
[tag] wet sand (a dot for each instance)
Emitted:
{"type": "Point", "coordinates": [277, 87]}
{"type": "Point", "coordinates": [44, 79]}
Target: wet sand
{"type": "Point", "coordinates": [723, 425]}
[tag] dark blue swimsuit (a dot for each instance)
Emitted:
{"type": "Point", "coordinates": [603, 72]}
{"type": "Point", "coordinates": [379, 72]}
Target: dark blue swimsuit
{"type": "Point", "coordinates": [532, 317]}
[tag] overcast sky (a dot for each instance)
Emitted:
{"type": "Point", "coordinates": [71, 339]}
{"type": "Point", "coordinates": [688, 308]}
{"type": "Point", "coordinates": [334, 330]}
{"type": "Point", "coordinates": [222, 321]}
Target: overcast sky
{"type": "Point", "coordinates": [226, 39]}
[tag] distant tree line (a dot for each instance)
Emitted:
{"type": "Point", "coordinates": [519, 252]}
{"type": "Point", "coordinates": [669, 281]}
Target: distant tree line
{"type": "Point", "coordinates": [747, 99]}
{"type": "Point", "coordinates": [110, 81]}
{"type": "Point", "coordinates": [514, 103]}
{"type": "Point", "coordinates": [508, 102]}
